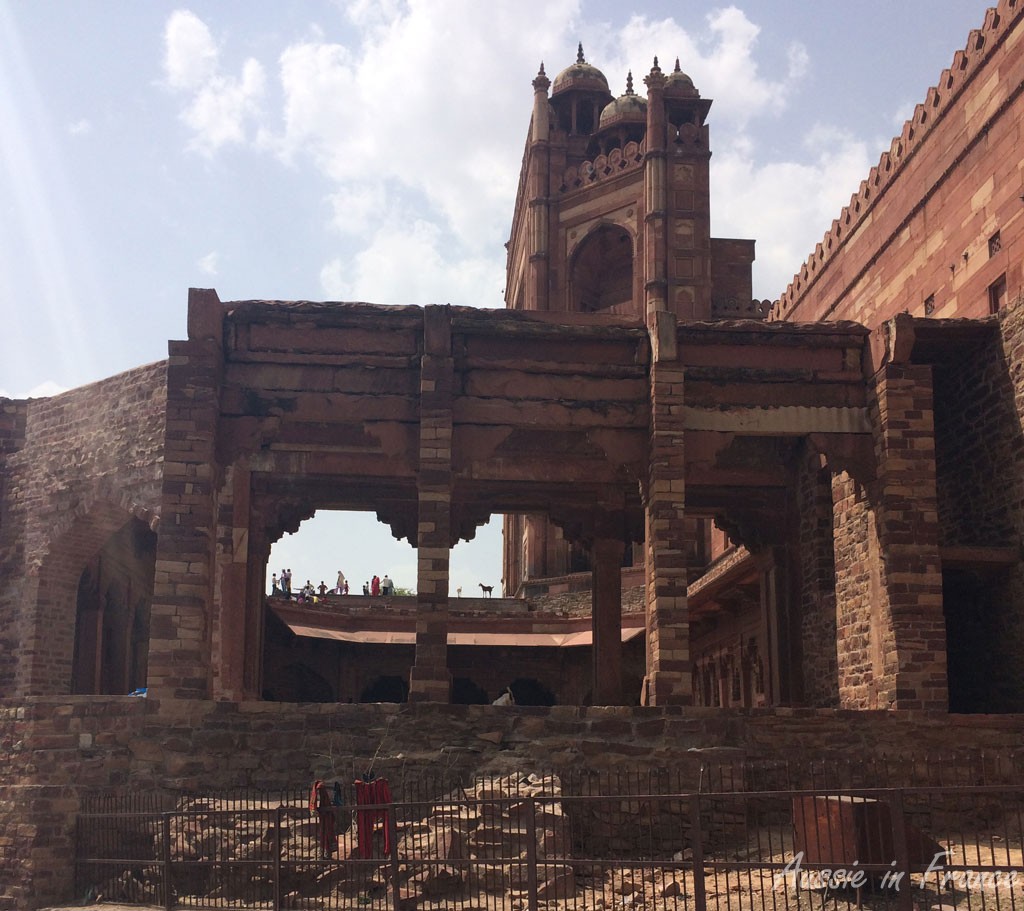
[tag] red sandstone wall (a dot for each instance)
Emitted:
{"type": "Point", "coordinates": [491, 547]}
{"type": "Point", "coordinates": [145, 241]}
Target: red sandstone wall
{"type": "Point", "coordinates": [919, 226]}
{"type": "Point", "coordinates": [55, 750]}
{"type": "Point", "coordinates": [91, 460]}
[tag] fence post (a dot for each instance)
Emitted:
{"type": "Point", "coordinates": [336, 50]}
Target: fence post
{"type": "Point", "coordinates": [392, 824]}
{"type": "Point", "coordinates": [905, 895]}
{"type": "Point", "coordinates": [531, 852]}
{"type": "Point", "coordinates": [697, 854]}
{"type": "Point", "coordinates": [276, 841]}
{"type": "Point", "coordinates": [165, 822]}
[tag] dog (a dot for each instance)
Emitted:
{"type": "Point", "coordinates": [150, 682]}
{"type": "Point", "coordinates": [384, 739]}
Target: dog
{"type": "Point", "coordinates": [486, 589]}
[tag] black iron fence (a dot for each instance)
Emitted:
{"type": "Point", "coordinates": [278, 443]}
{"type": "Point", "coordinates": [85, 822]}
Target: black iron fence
{"type": "Point", "coordinates": [544, 841]}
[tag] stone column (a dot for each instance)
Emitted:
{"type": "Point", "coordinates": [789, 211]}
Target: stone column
{"type": "Point", "coordinates": [231, 615]}
{"type": "Point", "coordinates": [655, 241]}
{"type": "Point", "coordinates": [538, 178]}
{"type": "Point", "coordinates": [906, 521]}
{"type": "Point", "coordinates": [669, 677]}
{"type": "Point", "coordinates": [430, 680]}
{"type": "Point", "coordinates": [179, 647]}
{"type": "Point", "coordinates": [255, 624]}
{"type": "Point", "coordinates": [781, 626]}
{"type": "Point", "coordinates": [606, 620]}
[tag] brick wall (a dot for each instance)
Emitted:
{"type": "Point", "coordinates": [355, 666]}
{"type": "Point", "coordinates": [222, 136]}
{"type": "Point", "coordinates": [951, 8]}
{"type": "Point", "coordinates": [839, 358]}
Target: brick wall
{"type": "Point", "coordinates": [54, 751]}
{"type": "Point", "coordinates": [856, 559]}
{"type": "Point", "coordinates": [916, 234]}
{"type": "Point", "coordinates": [91, 460]}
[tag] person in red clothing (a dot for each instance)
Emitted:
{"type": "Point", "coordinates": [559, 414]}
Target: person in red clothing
{"type": "Point", "coordinates": [320, 802]}
{"type": "Point", "coordinates": [370, 793]}
{"type": "Point", "coordinates": [375, 586]}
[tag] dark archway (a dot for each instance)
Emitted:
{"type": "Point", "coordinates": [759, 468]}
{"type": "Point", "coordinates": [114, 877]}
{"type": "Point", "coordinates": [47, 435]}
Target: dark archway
{"type": "Point", "coordinates": [527, 691]}
{"type": "Point", "coordinates": [466, 692]}
{"type": "Point", "coordinates": [112, 614]}
{"type": "Point", "coordinates": [386, 689]}
{"type": "Point", "coordinates": [601, 277]}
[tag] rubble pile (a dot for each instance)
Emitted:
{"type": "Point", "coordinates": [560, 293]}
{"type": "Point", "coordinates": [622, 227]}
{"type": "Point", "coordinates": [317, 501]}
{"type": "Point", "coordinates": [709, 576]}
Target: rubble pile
{"type": "Point", "coordinates": [472, 842]}
{"type": "Point", "coordinates": [477, 841]}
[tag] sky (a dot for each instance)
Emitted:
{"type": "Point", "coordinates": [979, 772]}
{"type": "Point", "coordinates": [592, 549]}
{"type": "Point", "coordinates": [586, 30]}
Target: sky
{"type": "Point", "coordinates": [370, 151]}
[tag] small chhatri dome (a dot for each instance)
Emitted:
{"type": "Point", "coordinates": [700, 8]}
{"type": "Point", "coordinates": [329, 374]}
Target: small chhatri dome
{"type": "Point", "coordinates": [627, 108]}
{"type": "Point", "coordinates": [581, 75]}
{"type": "Point", "coordinates": [678, 83]}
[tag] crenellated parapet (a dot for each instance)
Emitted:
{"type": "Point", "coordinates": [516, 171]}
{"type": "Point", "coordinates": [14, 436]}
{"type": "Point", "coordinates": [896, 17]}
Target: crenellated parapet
{"type": "Point", "coordinates": [604, 167]}
{"type": "Point", "coordinates": [982, 45]}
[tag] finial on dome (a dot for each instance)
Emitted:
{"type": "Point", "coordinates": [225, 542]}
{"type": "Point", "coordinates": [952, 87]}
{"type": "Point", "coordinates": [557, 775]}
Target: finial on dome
{"type": "Point", "coordinates": [541, 81]}
{"type": "Point", "coordinates": [656, 67]}
{"type": "Point", "coordinates": [676, 70]}
{"type": "Point", "coordinates": [629, 83]}
{"type": "Point", "coordinates": [579, 54]}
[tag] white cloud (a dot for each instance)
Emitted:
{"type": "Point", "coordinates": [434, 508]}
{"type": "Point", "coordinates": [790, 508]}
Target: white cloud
{"type": "Point", "coordinates": [407, 264]}
{"type": "Point", "coordinates": [219, 105]}
{"type": "Point", "coordinates": [422, 157]}
{"type": "Point", "coordinates": [41, 391]}
{"type": "Point", "coordinates": [190, 55]}
{"type": "Point", "coordinates": [786, 206]}
{"type": "Point", "coordinates": [80, 127]}
{"type": "Point", "coordinates": [208, 264]}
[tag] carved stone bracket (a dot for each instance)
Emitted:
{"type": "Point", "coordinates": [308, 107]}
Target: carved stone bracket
{"type": "Point", "coordinates": [853, 453]}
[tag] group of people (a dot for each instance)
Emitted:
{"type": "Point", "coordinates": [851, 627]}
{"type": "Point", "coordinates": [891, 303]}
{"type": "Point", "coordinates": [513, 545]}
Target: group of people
{"type": "Point", "coordinates": [281, 587]}
{"type": "Point", "coordinates": [378, 586]}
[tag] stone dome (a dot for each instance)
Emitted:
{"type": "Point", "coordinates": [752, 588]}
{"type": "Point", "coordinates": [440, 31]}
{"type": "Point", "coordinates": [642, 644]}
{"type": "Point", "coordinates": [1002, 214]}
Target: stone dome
{"type": "Point", "coordinates": [679, 84]}
{"type": "Point", "coordinates": [627, 108]}
{"type": "Point", "coordinates": [581, 75]}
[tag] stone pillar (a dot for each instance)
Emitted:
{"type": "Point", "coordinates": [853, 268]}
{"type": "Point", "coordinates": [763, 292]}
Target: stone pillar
{"type": "Point", "coordinates": [255, 624]}
{"type": "Point", "coordinates": [430, 680]}
{"type": "Point", "coordinates": [538, 179]}
{"type": "Point", "coordinates": [606, 620]}
{"type": "Point", "coordinates": [669, 677]}
{"type": "Point", "coordinates": [906, 521]}
{"type": "Point", "coordinates": [781, 626]}
{"type": "Point", "coordinates": [655, 241]}
{"type": "Point", "coordinates": [231, 621]}
{"type": "Point", "coordinates": [179, 649]}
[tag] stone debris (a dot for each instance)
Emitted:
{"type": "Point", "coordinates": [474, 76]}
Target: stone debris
{"type": "Point", "coordinates": [472, 843]}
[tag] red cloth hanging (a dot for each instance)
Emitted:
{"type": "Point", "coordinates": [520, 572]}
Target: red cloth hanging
{"type": "Point", "coordinates": [320, 803]}
{"type": "Point", "coordinates": [369, 793]}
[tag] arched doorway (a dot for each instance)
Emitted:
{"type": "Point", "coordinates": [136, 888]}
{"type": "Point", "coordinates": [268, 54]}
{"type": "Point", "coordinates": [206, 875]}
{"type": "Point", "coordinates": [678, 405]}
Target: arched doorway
{"type": "Point", "coordinates": [112, 613]}
{"type": "Point", "coordinates": [601, 277]}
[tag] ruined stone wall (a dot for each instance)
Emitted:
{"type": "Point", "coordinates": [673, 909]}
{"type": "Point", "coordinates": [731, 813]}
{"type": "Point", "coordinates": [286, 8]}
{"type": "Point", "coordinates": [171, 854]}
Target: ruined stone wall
{"type": "Point", "coordinates": [977, 433]}
{"type": "Point", "coordinates": [938, 221]}
{"type": "Point", "coordinates": [12, 545]}
{"type": "Point", "coordinates": [55, 750]}
{"type": "Point", "coordinates": [856, 562]}
{"type": "Point", "coordinates": [90, 461]}
{"type": "Point", "coordinates": [981, 498]}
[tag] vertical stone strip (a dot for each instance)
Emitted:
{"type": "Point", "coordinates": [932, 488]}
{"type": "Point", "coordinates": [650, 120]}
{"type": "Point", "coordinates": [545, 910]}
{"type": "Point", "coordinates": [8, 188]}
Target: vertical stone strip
{"type": "Point", "coordinates": [606, 620]}
{"type": "Point", "coordinates": [538, 179]}
{"type": "Point", "coordinates": [655, 245]}
{"type": "Point", "coordinates": [179, 649]}
{"type": "Point", "coordinates": [255, 597]}
{"type": "Point", "coordinates": [906, 519]}
{"type": "Point", "coordinates": [430, 681]}
{"type": "Point", "coordinates": [231, 602]}
{"type": "Point", "coordinates": [669, 678]}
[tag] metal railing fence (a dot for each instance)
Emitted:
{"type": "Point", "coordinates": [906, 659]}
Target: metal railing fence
{"type": "Point", "coordinates": [733, 837]}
